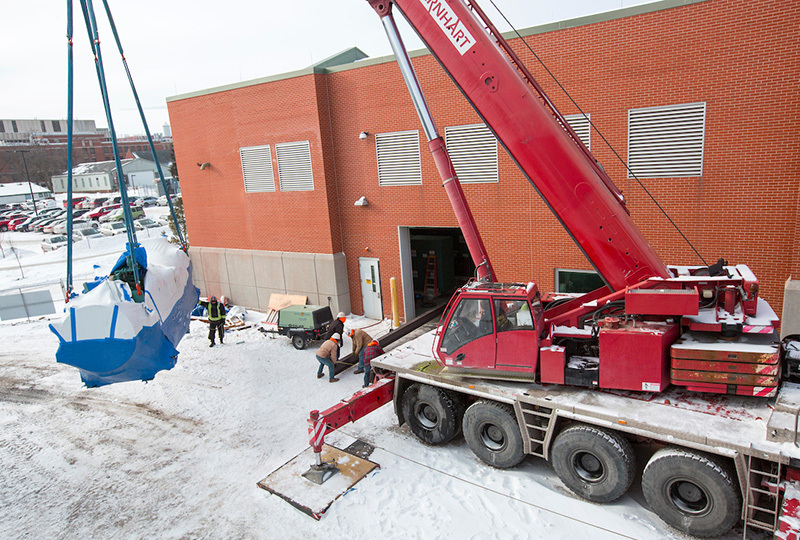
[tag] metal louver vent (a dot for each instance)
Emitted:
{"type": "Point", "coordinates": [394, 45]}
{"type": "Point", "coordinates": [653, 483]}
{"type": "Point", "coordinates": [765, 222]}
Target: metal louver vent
{"type": "Point", "coordinates": [294, 166]}
{"type": "Point", "coordinates": [666, 142]}
{"type": "Point", "coordinates": [399, 161]}
{"type": "Point", "coordinates": [473, 150]}
{"type": "Point", "coordinates": [257, 169]}
{"type": "Point", "coordinates": [582, 127]}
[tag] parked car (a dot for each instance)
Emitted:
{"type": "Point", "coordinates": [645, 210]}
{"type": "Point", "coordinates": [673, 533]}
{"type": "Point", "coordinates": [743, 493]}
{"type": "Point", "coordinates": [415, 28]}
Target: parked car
{"type": "Point", "coordinates": [29, 225]}
{"type": "Point", "coordinates": [102, 211]}
{"type": "Point", "coordinates": [24, 225]}
{"type": "Point", "coordinates": [5, 220]}
{"type": "Point", "coordinates": [12, 225]}
{"type": "Point", "coordinates": [76, 201]}
{"type": "Point", "coordinates": [118, 214]}
{"type": "Point", "coordinates": [39, 227]}
{"type": "Point", "coordinates": [48, 229]}
{"type": "Point", "coordinates": [77, 225]}
{"type": "Point", "coordinates": [40, 204]}
{"type": "Point", "coordinates": [96, 202]}
{"type": "Point", "coordinates": [147, 201]}
{"type": "Point", "coordinates": [148, 223]}
{"type": "Point", "coordinates": [162, 201]}
{"type": "Point", "coordinates": [54, 242]}
{"type": "Point", "coordinates": [91, 232]}
{"type": "Point", "coordinates": [116, 227]}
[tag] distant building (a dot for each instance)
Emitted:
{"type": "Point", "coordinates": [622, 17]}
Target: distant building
{"type": "Point", "coordinates": [21, 191]}
{"type": "Point", "coordinates": [46, 142]}
{"type": "Point", "coordinates": [141, 177]}
{"type": "Point", "coordinates": [34, 131]}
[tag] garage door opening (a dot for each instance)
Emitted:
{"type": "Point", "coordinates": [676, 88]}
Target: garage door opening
{"type": "Point", "coordinates": [436, 262]}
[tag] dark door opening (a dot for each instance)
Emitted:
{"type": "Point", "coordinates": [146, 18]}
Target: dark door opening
{"type": "Point", "coordinates": [441, 263]}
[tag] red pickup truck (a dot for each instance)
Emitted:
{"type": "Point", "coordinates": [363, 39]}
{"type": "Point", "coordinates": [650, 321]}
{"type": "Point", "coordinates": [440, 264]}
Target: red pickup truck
{"type": "Point", "coordinates": [100, 212]}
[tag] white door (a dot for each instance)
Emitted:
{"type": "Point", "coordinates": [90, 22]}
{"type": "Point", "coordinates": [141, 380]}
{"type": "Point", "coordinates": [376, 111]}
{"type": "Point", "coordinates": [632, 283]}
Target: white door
{"type": "Point", "coordinates": [370, 287]}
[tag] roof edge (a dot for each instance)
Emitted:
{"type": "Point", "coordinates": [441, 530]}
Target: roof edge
{"type": "Point", "coordinates": [354, 58]}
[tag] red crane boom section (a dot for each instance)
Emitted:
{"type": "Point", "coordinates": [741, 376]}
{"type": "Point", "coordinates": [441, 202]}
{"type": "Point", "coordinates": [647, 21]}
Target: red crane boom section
{"type": "Point", "coordinates": [534, 133]}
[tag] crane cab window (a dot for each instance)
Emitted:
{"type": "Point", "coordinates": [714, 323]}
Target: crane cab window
{"type": "Point", "coordinates": [471, 319]}
{"type": "Point", "coordinates": [513, 315]}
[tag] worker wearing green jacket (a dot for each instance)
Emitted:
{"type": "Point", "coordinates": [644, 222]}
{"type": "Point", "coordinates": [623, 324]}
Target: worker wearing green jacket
{"type": "Point", "coordinates": [216, 318]}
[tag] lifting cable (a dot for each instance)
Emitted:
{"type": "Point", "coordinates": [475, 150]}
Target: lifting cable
{"type": "Point", "coordinates": [69, 150]}
{"type": "Point", "coordinates": [94, 39]}
{"type": "Point", "coordinates": [94, 43]}
{"type": "Point", "coordinates": [613, 150]}
{"type": "Point", "coordinates": [184, 247]}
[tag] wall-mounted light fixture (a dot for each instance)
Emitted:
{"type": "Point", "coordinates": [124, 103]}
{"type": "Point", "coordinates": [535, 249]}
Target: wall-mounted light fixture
{"type": "Point", "coordinates": [363, 135]}
{"type": "Point", "coordinates": [204, 166]}
{"type": "Point", "coordinates": [362, 202]}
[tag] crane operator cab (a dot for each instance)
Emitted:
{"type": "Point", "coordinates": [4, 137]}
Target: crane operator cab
{"type": "Point", "coordinates": [490, 328]}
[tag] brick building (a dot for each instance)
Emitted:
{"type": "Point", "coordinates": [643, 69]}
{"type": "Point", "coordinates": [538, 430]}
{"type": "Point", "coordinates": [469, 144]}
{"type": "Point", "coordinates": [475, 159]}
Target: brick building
{"type": "Point", "coordinates": [286, 158]}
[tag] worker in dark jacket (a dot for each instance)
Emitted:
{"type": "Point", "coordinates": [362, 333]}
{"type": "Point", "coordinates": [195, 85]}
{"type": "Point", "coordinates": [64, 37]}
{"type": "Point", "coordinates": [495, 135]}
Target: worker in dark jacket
{"type": "Point", "coordinates": [336, 327]}
{"type": "Point", "coordinates": [327, 355]}
{"type": "Point", "coordinates": [216, 318]}
{"type": "Point", "coordinates": [370, 352]}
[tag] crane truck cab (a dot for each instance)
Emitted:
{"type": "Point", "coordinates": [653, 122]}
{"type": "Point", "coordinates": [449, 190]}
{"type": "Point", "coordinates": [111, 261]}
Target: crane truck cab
{"type": "Point", "coordinates": [492, 327]}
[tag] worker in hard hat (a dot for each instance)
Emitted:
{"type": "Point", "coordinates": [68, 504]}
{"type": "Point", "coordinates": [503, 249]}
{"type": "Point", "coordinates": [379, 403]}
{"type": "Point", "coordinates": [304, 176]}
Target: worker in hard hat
{"type": "Point", "coordinates": [360, 340]}
{"type": "Point", "coordinates": [216, 318]}
{"type": "Point", "coordinates": [370, 352]}
{"type": "Point", "coordinates": [327, 355]}
{"type": "Point", "coordinates": [336, 327]}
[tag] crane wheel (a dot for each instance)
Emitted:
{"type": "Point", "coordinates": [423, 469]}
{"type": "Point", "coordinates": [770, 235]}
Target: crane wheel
{"type": "Point", "coordinates": [596, 464]}
{"type": "Point", "coordinates": [694, 492]}
{"type": "Point", "coordinates": [432, 413]}
{"type": "Point", "coordinates": [493, 435]}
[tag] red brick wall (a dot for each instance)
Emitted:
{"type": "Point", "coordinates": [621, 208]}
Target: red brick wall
{"type": "Point", "coordinates": [739, 57]}
{"type": "Point", "coordinates": [212, 128]}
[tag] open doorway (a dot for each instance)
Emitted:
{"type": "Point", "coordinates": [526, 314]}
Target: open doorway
{"type": "Point", "coordinates": [435, 261]}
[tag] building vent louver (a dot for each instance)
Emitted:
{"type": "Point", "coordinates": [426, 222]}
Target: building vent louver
{"type": "Point", "coordinates": [399, 161]}
{"type": "Point", "coordinates": [257, 169]}
{"type": "Point", "coordinates": [582, 127]}
{"type": "Point", "coordinates": [473, 150]}
{"type": "Point", "coordinates": [294, 166]}
{"type": "Point", "coordinates": [666, 142]}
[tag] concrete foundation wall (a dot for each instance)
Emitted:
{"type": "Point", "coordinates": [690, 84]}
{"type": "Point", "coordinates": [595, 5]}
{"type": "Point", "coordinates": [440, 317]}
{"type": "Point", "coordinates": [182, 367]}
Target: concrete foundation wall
{"type": "Point", "coordinates": [250, 277]}
{"type": "Point", "coordinates": [790, 318]}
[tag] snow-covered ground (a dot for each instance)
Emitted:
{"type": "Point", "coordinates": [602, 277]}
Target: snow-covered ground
{"type": "Point", "coordinates": [180, 456]}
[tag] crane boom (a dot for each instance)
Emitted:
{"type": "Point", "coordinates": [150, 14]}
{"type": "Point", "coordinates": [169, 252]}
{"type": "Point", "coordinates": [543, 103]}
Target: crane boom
{"type": "Point", "coordinates": [575, 188]}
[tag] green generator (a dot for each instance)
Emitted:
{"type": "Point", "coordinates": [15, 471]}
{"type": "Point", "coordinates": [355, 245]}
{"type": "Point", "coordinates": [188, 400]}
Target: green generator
{"type": "Point", "coordinates": [304, 323]}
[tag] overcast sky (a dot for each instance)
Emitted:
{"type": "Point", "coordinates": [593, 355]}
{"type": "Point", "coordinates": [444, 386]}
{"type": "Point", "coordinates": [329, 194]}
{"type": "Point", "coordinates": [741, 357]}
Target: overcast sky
{"type": "Point", "coordinates": [174, 47]}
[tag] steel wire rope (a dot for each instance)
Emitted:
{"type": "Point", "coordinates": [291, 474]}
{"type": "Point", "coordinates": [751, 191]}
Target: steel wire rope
{"type": "Point", "coordinates": [613, 150]}
{"type": "Point", "coordinates": [94, 39]}
{"type": "Point", "coordinates": [178, 231]}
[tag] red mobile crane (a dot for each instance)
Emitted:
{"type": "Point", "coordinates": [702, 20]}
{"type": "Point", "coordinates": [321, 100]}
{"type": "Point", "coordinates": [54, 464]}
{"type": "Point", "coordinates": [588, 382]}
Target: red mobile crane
{"type": "Point", "coordinates": [699, 327]}
{"type": "Point", "coordinates": [627, 335]}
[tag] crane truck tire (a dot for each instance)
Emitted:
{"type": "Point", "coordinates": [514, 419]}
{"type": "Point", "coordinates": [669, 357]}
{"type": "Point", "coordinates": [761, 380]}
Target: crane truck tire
{"type": "Point", "coordinates": [596, 464]}
{"type": "Point", "coordinates": [492, 433]}
{"type": "Point", "coordinates": [433, 415]}
{"type": "Point", "coordinates": [694, 492]}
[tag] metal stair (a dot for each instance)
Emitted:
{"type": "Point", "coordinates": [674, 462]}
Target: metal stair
{"type": "Point", "coordinates": [762, 504]}
{"type": "Point", "coordinates": [536, 425]}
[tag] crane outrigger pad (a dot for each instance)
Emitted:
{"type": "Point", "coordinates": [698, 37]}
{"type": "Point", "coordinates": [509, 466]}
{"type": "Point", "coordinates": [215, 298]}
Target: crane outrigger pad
{"type": "Point", "coordinates": [288, 482]}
